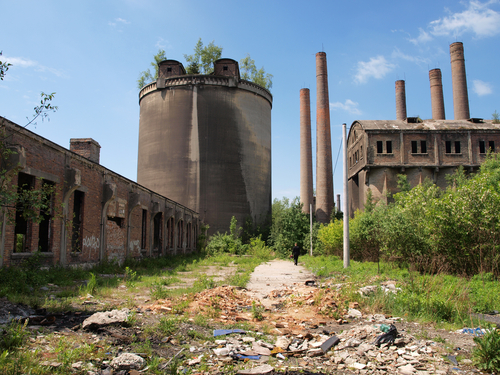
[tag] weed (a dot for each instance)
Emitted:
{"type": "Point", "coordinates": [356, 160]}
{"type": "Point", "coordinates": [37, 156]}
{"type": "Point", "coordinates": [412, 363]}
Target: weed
{"type": "Point", "coordinates": [167, 326]}
{"type": "Point", "coordinates": [131, 277]}
{"type": "Point", "coordinates": [257, 311]}
{"type": "Point", "coordinates": [204, 282]}
{"type": "Point", "coordinates": [440, 339]}
{"type": "Point", "coordinates": [91, 285]}
{"type": "Point", "coordinates": [487, 352]}
{"type": "Point", "coordinates": [14, 335]}
{"type": "Point", "coordinates": [157, 291]}
{"type": "Point", "coordinates": [132, 319]}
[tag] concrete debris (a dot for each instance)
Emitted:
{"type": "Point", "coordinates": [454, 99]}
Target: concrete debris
{"type": "Point", "coordinates": [263, 369]}
{"type": "Point", "coordinates": [128, 361]}
{"type": "Point", "coordinates": [102, 319]}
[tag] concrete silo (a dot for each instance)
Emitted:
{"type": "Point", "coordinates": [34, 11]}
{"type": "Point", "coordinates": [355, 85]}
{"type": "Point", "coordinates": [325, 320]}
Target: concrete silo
{"type": "Point", "coordinates": [205, 142]}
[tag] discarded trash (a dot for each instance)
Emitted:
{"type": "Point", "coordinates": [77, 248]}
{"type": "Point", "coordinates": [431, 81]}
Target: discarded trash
{"type": "Point", "coordinates": [474, 331]}
{"type": "Point", "coordinates": [385, 327]}
{"type": "Point", "coordinates": [221, 332]}
{"type": "Point", "coordinates": [243, 357]}
{"type": "Point", "coordinates": [332, 341]}
{"type": "Point", "coordinates": [310, 282]}
{"type": "Point", "coordinates": [387, 338]}
{"type": "Point", "coordinates": [280, 356]}
{"type": "Point", "coordinates": [452, 359]}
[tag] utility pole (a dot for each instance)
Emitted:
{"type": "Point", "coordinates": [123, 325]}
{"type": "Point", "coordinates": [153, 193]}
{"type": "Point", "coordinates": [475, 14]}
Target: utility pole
{"type": "Point", "coordinates": [346, 199]}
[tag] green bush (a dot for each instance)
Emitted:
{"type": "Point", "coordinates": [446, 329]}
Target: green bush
{"type": "Point", "coordinates": [487, 352]}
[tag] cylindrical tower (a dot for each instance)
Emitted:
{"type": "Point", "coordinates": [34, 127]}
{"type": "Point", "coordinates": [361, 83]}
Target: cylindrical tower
{"type": "Point", "coordinates": [459, 81]}
{"type": "Point", "coordinates": [437, 100]}
{"type": "Point", "coordinates": [205, 142]}
{"type": "Point", "coordinates": [306, 175]}
{"type": "Point", "coordinates": [324, 173]}
{"type": "Point", "coordinates": [400, 100]}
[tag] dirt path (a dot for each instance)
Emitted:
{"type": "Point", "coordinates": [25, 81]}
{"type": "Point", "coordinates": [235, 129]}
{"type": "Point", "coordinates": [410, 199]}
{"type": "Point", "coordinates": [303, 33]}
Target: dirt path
{"type": "Point", "coordinates": [274, 275]}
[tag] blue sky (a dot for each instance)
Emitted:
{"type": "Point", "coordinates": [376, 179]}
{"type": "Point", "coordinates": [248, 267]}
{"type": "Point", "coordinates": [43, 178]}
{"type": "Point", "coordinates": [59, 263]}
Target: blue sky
{"type": "Point", "coordinates": [91, 53]}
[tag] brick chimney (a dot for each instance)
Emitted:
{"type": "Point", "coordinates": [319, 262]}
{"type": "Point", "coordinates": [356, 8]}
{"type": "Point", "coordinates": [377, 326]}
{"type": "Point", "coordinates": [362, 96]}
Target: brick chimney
{"type": "Point", "coordinates": [86, 147]}
{"type": "Point", "coordinates": [437, 100]}
{"type": "Point", "coordinates": [459, 80]}
{"type": "Point", "coordinates": [324, 172]}
{"type": "Point", "coordinates": [400, 100]}
{"type": "Point", "coordinates": [306, 175]}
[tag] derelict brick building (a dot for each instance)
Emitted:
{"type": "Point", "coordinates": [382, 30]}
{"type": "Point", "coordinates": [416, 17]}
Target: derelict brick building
{"type": "Point", "coordinates": [95, 214]}
{"type": "Point", "coordinates": [205, 142]}
{"type": "Point", "coordinates": [379, 150]}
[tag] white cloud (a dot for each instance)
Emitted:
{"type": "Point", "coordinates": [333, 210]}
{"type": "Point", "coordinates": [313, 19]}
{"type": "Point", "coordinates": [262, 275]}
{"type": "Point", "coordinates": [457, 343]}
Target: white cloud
{"type": "Point", "coordinates": [423, 37]}
{"type": "Point", "coordinates": [348, 106]}
{"type": "Point", "coordinates": [377, 68]}
{"type": "Point", "coordinates": [118, 21]}
{"type": "Point", "coordinates": [27, 63]}
{"type": "Point", "coordinates": [397, 54]}
{"type": "Point", "coordinates": [478, 19]}
{"type": "Point", "coordinates": [482, 88]}
{"type": "Point", "coordinates": [163, 44]}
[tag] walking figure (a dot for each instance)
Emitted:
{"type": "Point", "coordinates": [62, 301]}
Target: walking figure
{"type": "Point", "coordinates": [296, 253]}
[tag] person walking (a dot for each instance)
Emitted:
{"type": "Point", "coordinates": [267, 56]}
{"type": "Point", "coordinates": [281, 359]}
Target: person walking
{"type": "Point", "coordinates": [296, 253]}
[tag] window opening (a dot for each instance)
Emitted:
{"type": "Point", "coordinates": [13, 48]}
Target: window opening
{"type": "Point", "coordinates": [77, 225]}
{"type": "Point", "coordinates": [492, 146]}
{"type": "Point", "coordinates": [45, 226]}
{"type": "Point", "coordinates": [414, 147]}
{"type": "Point", "coordinates": [117, 220]}
{"type": "Point", "coordinates": [379, 147]}
{"type": "Point", "coordinates": [179, 234]}
{"type": "Point", "coordinates": [157, 231]}
{"type": "Point", "coordinates": [23, 226]}
{"type": "Point", "coordinates": [448, 147]}
{"type": "Point", "coordinates": [388, 146]}
{"type": "Point", "coordinates": [169, 69]}
{"type": "Point", "coordinates": [423, 147]}
{"type": "Point", "coordinates": [144, 228]}
{"type": "Point", "coordinates": [482, 147]}
{"type": "Point", "coordinates": [457, 147]}
{"type": "Point", "coordinates": [225, 67]}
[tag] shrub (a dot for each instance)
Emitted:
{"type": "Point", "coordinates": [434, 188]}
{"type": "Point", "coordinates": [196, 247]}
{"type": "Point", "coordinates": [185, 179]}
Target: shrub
{"type": "Point", "coordinates": [487, 352]}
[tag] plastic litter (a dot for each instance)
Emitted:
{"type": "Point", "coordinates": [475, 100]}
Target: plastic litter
{"type": "Point", "coordinates": [332, 341]}
{"type": "Point", "coordinates": [385, 328]}
{"type": "Point", "coordinates": [222, 332]}
{"type": "Point", "coordinates": [452, 359]}
{"type": "Point", "coordinates": [387, 338]}
{"type": "Point", "coordinates": [242, 357]}
{"type": "Point", "coordinates": [474, 331]}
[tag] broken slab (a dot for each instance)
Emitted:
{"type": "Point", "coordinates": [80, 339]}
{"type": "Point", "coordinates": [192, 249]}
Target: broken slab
{"type": "Point", "coordinates": [128, 361]}
{"type": "Point", "coordinates": [106, 318]}
{"type": "Point", "coordinates": [263, 369]}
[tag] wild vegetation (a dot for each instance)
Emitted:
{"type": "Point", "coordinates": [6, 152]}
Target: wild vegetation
{"type": "Point", "coordinates": [201, 62]}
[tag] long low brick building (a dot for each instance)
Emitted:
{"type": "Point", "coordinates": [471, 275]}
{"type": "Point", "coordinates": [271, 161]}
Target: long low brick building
{"type": "Point", "coordinates": [95, 214]}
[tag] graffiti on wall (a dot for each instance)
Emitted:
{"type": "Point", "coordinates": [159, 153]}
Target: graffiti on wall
{"type": "Point", "coordinates": [133, 244]}
{"type": "Point", "coordinates": [91, 242]}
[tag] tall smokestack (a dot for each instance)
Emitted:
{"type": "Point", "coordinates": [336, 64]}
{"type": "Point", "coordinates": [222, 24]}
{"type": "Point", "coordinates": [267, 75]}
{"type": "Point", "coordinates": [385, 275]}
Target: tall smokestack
{"type": "Point", "coordinates": [437, 100]}
{"type": "Point", "coordinates": [400, 100]}
{"type": "Point", "coordinates": [306, 175]}
{"type": "Point", "coordinates": [324, 174]}
{"type": "Point", "coordinates": [460, 96]}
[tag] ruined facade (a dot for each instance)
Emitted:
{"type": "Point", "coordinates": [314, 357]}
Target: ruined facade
{"type": "Point", "coordinates": [205, 142]}
{"type": "Point", "coordinates": [380, 150]}
{"type": "Point", "coordinates": [95, 214]}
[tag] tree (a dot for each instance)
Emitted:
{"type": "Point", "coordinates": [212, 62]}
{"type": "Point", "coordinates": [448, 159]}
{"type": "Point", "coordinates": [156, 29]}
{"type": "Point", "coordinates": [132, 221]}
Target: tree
{"type": "Point", "coordinates": [201, 61]}
{"type": "Point", "coordinates": [4, 66]}
{"type": "Point", "coordinates": [146, 76]}
{"type": "Point", "coordinates": [495, 116]}
{"type": "Point", "coordinates": [250, 72]}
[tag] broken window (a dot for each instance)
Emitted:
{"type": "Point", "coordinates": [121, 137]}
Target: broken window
{"type": "Point", "coordinates": [23, 226]}
{"type": "Point", "coordinates": [157, 231]}
{"type": "Point", "coordinates": [46, 216]}
{"type": "Point", "coordinates": [482, 147]}
{"type": "Point", "coordinates": [457, 147]}
{"type": "Point", "coordinates": [423, 147]}
{"type": "Point", "coordinates": [414, 147]}
{"type": "Point", "coordinates": [492, 146]}
{"type": "Point", "coordinates": [180, 233]}
{"type": "Point", "coordinates": [379, 147]}
{"type": "Point", "coordinates": [448, 147]}
{"type": "Point", "coordinates": [77, 224]}
{"type": "Point", "coordinates": [144, 229]}
{"type": "Point", "coordinates": [388, 146]}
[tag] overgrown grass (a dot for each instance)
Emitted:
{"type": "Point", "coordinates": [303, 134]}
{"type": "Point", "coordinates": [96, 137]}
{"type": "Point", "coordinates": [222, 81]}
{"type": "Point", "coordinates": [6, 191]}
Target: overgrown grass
{"type": "Point", "coordinates": [443, 299]}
